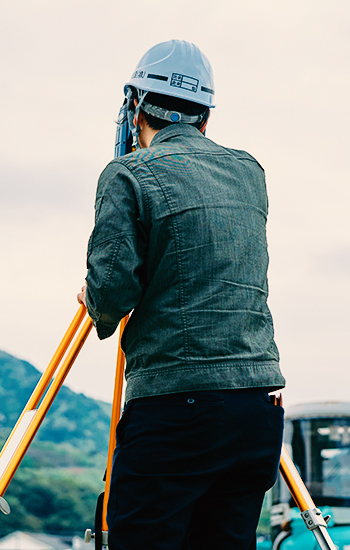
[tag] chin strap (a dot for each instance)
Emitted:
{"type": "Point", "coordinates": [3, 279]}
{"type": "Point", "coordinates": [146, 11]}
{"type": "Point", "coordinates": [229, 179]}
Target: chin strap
{"type": "Point", "coordinates": [134, 112]}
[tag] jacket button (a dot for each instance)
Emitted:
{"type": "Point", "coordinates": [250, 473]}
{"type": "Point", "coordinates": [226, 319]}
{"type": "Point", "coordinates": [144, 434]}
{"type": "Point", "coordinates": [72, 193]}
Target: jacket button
{"type": "Point", "coordinates": [190, 401]}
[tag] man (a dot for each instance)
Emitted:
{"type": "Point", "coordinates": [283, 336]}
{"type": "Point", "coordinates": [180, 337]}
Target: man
{"type": "Point", "coordinates": [180, 240]}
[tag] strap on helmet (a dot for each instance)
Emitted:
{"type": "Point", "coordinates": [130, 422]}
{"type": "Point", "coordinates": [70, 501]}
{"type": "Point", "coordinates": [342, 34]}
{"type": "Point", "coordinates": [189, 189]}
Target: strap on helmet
{"type": "Point", "coordinates": [134, 112]}
{"type": "Point", "coordinates": [171, 116]}
{"type": "Point", "coordinates": [154, 110]}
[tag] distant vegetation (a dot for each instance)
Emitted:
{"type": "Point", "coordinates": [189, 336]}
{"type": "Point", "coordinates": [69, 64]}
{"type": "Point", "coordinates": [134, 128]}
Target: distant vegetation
{"type": "Point", "coordinates": [56, 486]}
{"type": "Point", "coordinates": [73, 418]}
{"type": "Point", "coordinates": [43, 500]}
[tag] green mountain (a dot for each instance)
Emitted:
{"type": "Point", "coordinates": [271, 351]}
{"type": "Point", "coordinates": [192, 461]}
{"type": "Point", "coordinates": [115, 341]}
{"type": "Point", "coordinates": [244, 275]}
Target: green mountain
{"type": "Point", "coordinates": [56, 485]}
{"type": "Point", "coordinates": [74, 419]}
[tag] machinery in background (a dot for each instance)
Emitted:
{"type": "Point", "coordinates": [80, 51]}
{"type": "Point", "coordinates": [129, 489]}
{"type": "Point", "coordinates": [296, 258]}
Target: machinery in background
{"type": "Point", "coordinates": [317, 436]}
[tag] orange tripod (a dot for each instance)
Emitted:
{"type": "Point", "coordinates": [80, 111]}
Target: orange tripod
{"type": "Point", "coordinates": [39, 403]}
{"type": "Point", "coordinates": [311, 515]}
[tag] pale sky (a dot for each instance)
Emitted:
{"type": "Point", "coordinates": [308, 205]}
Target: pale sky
{"type": "Point", "coordinates": [283, 86]}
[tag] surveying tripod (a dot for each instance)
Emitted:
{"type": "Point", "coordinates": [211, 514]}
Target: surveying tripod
{"type": "Point", "coordinates": [48, 387]}
{"type": "Point", "coordinates": [34, 413]}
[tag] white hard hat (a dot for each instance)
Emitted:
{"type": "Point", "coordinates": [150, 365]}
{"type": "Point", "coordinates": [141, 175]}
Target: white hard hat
{"type": "Point", "coordinates": [175, 68]}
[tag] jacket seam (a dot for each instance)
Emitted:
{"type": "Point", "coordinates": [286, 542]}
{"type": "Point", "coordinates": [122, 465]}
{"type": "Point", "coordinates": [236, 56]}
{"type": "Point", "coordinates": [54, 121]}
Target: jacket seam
{"type": "Point", "coordinates": [100, 304]}
{"type": "Point", "coordinates": [179, 259]}
{"type": "Point", "coordinates": [165, 370]}
{"type": "Point", "coordinates": [186, 153]}
{"type": "Point", "coordinates": [132, 170]}
{"type": "Point", "coordinates": [117, 236]}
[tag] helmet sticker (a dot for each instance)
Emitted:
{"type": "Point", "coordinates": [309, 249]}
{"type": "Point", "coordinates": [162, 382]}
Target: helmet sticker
{"type": "Point", "coordinates": [186, 82]}
{"type": "Point", "coordinates": [157, 77]}
{"type": "Point", "coordinates": [138, 74]}
{"type": "Point", "coordinates": [208, 90]}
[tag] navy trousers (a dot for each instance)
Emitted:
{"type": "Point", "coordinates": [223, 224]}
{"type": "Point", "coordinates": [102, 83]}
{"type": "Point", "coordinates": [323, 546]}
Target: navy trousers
{"type": "Point", "coordinates": [191, 469]}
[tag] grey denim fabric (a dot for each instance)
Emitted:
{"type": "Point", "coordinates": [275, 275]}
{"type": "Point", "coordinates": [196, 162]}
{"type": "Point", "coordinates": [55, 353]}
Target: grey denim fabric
{"type": "Point", "coordinates": [180, 239]}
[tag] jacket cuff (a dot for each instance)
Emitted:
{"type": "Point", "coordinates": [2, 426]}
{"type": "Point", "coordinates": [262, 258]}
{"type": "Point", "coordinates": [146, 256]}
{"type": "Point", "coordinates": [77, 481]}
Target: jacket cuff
{"type": "Point", "coordinates": [104, 331]}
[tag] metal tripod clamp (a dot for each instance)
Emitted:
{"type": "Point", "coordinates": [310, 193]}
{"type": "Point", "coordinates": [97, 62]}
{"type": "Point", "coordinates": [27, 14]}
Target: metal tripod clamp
{"type": "Point", "coordinates": [89, 536]}
{"type": "Point", "coordinates": [313, 519]}
{"type": "Point", "coordinates": [4, 506]}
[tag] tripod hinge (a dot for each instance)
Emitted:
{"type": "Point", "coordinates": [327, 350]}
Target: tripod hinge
{"type": "Point", "coordinates": [313, 519]}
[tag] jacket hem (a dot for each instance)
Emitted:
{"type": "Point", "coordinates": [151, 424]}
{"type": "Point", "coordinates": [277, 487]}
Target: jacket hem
{"type": "Point", "coordinates": [206, 377]}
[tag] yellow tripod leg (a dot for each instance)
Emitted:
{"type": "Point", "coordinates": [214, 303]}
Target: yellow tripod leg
{"type": "Point", "coordinates": [50, 370]}
{"type": "Point", "coordinates": [101, 527]}
{"type": "Point", "coordinates": [294, 482]}
{"type": "Point", "coordinates": [31, 418]}
{"type": "Point", "coordinates": [116, 410]}
{"type": "Point", "coordinates": [311, 515]}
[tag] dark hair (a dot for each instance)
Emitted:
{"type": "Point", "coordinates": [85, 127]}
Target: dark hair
{"type": "Point", "coordinates": [173, 104]}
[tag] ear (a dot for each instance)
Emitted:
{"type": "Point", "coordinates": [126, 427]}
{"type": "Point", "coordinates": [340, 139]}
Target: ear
{"type": "Point", "coordinates": [140, 120]}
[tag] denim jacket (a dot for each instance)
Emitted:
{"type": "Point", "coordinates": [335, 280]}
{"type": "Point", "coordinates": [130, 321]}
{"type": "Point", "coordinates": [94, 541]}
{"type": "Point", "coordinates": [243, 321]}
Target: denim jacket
{"type": "Point", "coordinates": [180, 240]}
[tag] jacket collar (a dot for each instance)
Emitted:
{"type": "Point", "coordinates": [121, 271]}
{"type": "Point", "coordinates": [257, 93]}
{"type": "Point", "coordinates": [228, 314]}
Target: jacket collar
{"type": "Point", "coordinates": [175, 130]}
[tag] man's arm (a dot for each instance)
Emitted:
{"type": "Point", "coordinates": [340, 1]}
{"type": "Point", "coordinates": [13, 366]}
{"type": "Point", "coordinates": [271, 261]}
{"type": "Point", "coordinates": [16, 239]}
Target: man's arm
{"type": "Point", "coordinates": [116, 251]}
